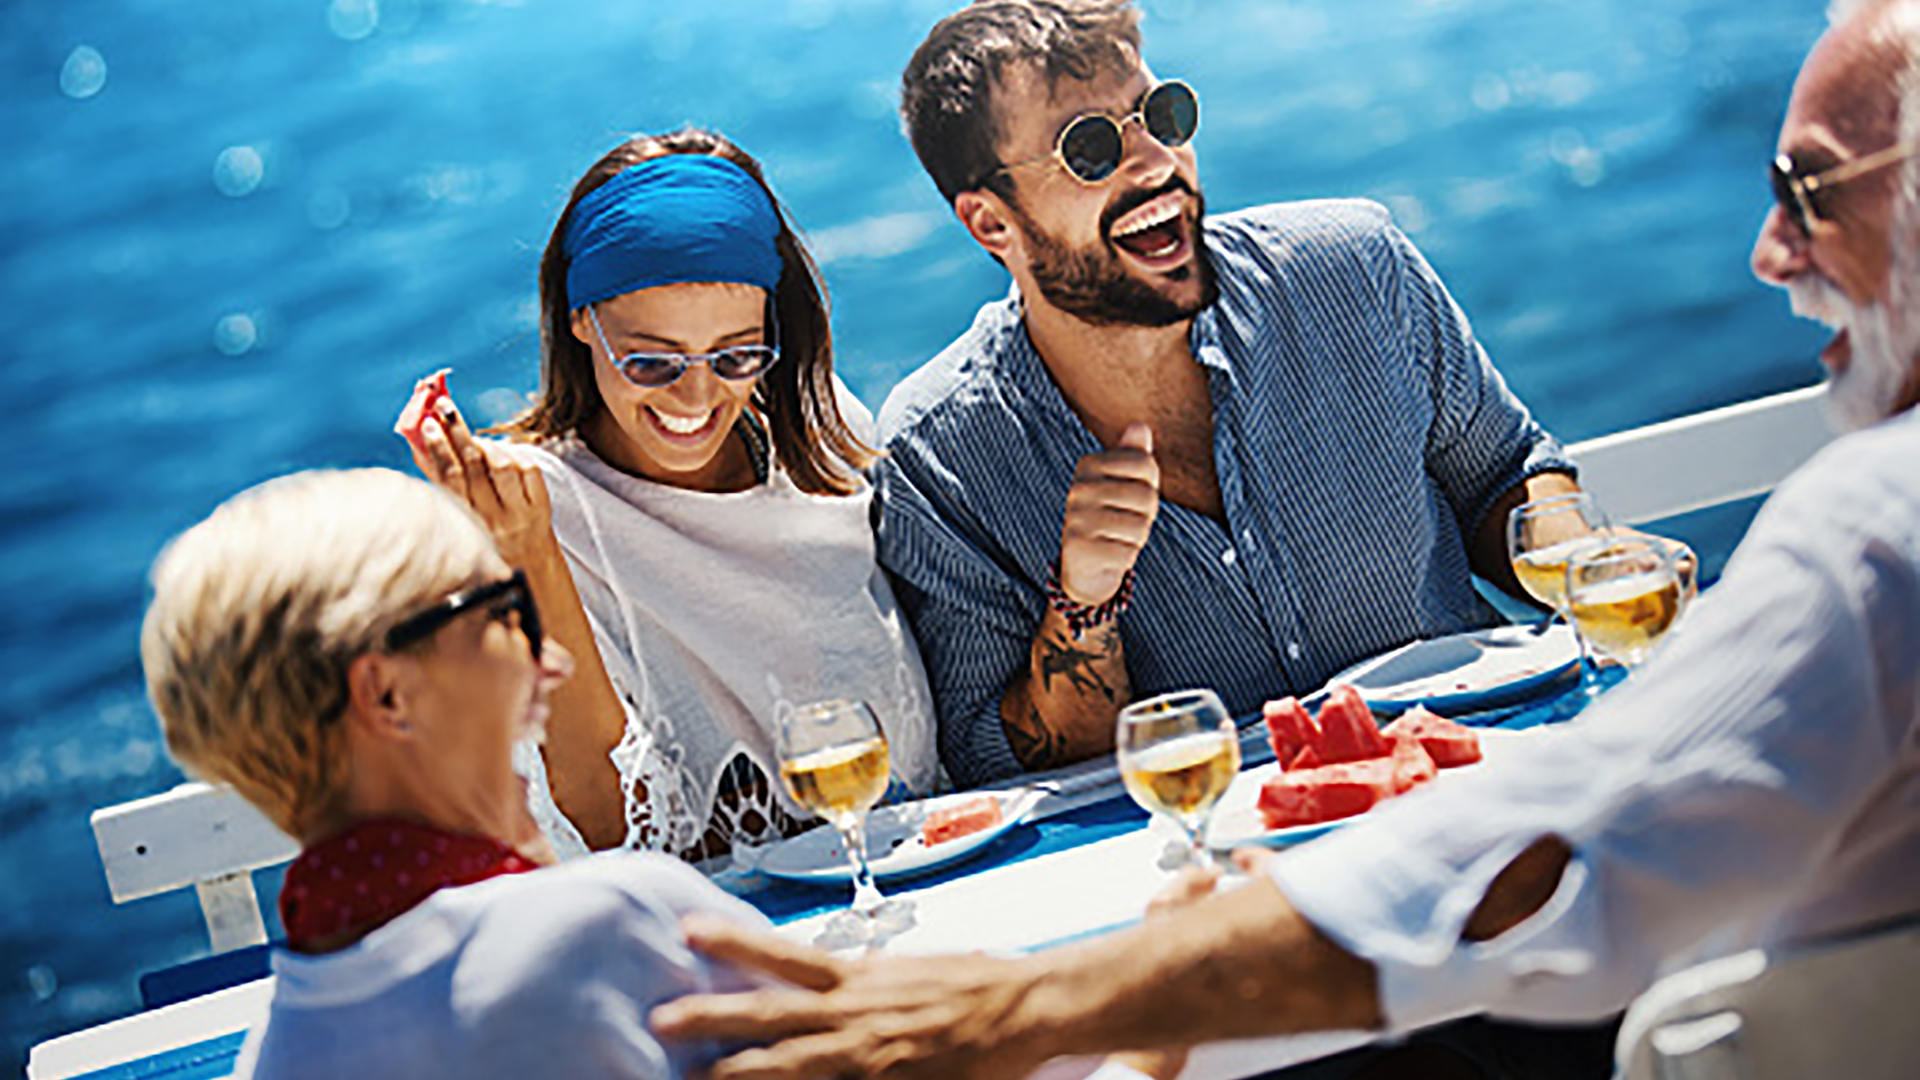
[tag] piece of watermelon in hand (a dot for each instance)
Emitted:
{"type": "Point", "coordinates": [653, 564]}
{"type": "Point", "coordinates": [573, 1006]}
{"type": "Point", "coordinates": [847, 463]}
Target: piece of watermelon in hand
{"type": "Point", "coordinates": [1290, 728]}
{"type": "Point", "coordinates": [1348, 730]}
{"type": "Point", "coordinates": [428, 393]}
{"type": "Point", "coordinates": [1449, 744]}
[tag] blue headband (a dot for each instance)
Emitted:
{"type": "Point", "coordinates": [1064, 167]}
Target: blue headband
{"type": "Point", "coordinates": [673, 219]}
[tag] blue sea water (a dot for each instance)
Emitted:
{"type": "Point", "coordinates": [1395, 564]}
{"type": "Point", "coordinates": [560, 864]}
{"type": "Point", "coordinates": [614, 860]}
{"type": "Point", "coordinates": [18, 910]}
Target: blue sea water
{"type": "Point", "coordinates": [235, 233]}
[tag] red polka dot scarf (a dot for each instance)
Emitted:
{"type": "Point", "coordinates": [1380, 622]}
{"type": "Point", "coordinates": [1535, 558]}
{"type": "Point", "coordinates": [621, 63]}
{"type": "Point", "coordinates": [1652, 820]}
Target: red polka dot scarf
{"type": "Point", "coordinates": [359, 880]}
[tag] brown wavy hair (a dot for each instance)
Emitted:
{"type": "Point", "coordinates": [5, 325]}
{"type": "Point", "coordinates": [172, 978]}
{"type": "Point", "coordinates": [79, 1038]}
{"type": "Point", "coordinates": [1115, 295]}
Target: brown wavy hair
{"type": "Point", "coordinates": [810, 437]}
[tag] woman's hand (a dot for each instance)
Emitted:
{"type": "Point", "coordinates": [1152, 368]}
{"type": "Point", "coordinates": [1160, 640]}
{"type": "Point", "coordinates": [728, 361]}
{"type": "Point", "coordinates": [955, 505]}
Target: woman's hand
{"type": "Point", "coordinates": [508, 493]}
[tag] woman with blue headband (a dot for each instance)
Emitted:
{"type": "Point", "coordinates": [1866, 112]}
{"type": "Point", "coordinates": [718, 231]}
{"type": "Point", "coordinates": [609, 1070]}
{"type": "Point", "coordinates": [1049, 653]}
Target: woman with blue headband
{"type": "Point", "coordinates": [686, 498]}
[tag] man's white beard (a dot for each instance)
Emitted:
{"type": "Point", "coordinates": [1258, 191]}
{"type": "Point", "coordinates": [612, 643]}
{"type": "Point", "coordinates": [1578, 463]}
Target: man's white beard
{"type": "Point", "coordinates": [1884, 338]}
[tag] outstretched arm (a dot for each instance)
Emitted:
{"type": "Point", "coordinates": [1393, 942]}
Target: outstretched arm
{"type": "Point", "coordinates": [1236, 965]}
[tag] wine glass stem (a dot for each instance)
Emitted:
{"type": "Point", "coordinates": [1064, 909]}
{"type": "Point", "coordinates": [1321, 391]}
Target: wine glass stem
{"type": "Point", "coordinates": [1589, 667]}
{"type": "Point", "coordinates": [1197, 852]}
{"type": "Point", "coordinates": [866, 895]}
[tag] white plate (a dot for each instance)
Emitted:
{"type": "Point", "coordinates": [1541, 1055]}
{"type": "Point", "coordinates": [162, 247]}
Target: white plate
{"type": "Point", "coordinates": [895, 847]}
{"type": "Point", "coordinates": [1465, 672]}
{"type": "Point", "coordinates": [1236, 820]}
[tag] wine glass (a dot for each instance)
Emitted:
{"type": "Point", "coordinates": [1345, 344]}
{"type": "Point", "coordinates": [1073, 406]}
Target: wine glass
{"type": "Point", "coordinates": [833, 761]}
{"type": "Point", "coordinates": [1178, 752]}
{"type": "Point", "coordinates": [1624, 595]}
{"type": "Point", "coordinates": [1542, 536]}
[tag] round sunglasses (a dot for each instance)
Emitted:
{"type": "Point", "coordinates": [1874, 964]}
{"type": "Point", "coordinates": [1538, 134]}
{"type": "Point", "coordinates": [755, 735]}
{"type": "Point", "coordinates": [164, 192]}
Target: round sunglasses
{"type": "Point", "coordinates": [1800, 194]}
{"type": "Point", "coordinates": [1093, 145]}
{"type": "Point", "coordinates": [651, 371]}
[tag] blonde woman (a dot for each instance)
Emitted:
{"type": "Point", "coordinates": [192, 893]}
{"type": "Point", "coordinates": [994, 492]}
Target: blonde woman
{"type": "Point", "coordinates": [350, 653]}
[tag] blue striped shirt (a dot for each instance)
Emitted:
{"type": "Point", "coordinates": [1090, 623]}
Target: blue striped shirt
{"type": "Point", "coordinates": [1360, 433]}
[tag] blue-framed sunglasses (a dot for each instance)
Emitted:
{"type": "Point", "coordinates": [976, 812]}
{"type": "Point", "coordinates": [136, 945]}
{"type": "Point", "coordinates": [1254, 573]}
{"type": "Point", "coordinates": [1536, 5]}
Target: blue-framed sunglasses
{"type": "Point", "coordinates": [651, 371]}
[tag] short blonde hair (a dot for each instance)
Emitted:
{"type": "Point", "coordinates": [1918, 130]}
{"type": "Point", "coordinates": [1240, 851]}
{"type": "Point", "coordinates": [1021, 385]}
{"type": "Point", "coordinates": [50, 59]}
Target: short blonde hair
{"type": "Point", "coordinates": [259, 610]}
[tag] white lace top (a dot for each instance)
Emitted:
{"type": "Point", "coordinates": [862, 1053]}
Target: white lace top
{"type": "Point", "coordinates": [715, 614]}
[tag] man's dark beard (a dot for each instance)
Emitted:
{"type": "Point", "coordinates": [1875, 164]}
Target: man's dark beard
{"type": "Point", "coordinates": [1092, 285]}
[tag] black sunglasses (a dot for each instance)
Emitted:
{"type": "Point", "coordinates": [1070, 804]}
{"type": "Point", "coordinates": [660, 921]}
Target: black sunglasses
{"type": "Point", "coordinates": [1799, 194]}
{"type": "Point", "coordinates": [502, 598]}
{"type": "Point", "coordinates": [1093, 145]}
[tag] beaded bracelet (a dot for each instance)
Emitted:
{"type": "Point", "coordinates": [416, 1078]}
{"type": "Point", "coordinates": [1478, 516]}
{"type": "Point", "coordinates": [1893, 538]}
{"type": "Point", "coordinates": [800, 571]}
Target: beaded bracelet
{"type": "Point", "coordinates": [1084, 617]}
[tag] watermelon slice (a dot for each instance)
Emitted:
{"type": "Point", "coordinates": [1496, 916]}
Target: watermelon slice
{"type": "Point", "coordinates": [1348, 730]}
{"type": "Point", "coordinates": [1325, 793]}
{"type": "Point", "coordinates": [960, 819]}
{"type": "Point", "coordinates": [1412, 765]}
{"type": "Point", "coordinates": [428, 393]}
{"type": "Point", "coordinates": [1331, 792]}
{"type": "Point", "coordinates": [1450, 745]}
{"type": "Point", "coordinates": [1290, 728]}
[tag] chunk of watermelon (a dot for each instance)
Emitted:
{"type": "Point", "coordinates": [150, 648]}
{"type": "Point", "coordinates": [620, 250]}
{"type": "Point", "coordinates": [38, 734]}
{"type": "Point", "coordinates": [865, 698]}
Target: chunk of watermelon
{"type": "Point", "coordinates": [428, 393]}
{"type": "Point", "coordinates": [1325, 793]}
{"type": "Point", "coordinates": [1305, 759]}
{"type": "Point", "coordinates": [1412, 765]}
{"type": "Point", "coordinates": [1290, 728]}
{"type": "Point", "coordinates": [1449, 744]}
{"type": "Point", "coordinates": [1348, 730]}
{"type": "Point", "coordinates": [960, 819]}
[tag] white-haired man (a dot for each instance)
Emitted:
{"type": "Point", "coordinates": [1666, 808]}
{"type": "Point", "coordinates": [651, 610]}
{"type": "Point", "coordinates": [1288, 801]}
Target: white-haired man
{"type": "Point", "coordinates": [1758, 782]}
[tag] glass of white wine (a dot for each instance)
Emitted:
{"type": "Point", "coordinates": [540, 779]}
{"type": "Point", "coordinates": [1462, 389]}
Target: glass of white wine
{"type": "Point", "coordinates": [833, 761]}
{"type": "Point", "coordinates": [1624, 595]}
{"type": "Point", "coordinates": [1542, 536]}
{"type": "Point", "coordinates": [1178, 752]}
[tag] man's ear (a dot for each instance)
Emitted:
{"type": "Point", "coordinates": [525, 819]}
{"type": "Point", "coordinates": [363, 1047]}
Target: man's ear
{"type": "Point", "coordinates": [376, 696]}
{"type": "Point", "coordinates": [989, 219]}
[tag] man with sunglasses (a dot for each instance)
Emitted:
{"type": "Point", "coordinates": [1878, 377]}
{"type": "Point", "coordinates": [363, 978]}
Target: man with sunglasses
{"type": "Point", "coordinates": [1285, 398]}
{"type": "Point", "coordinates": [1755, 784]}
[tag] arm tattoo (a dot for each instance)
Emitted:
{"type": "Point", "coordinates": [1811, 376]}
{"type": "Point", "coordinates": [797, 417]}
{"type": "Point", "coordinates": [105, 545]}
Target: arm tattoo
{"type": "Point", "coordinates": [1034, 743]}
{"type": "Point", "coordinates": [1032, 739]}
{"type": "Point", "coordinates": [1080, 666]}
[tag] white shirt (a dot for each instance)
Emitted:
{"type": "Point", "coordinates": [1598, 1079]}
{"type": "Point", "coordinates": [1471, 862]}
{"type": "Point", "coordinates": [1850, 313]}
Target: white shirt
{"type": "Point", "coordinates": [548, 973]}
{"type": "Point", "coordinates": [716, 614]}
{"type": "Point", "coordinates": [1757, 782]}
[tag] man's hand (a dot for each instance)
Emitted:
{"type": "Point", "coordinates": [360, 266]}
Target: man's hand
{"type": "Point", "coordinates": [1190, 886]}
{"type": "Point", "coordinates": [894, 1017]}
{"type": "Point", "coordinates": [1110, 511]}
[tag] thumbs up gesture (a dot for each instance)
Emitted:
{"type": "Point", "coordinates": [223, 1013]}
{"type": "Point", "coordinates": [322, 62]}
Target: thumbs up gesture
{"type": "Point", "coordinates": [1110, 511]}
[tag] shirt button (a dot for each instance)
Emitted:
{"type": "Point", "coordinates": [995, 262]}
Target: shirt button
{"type": "Point", "coordinates": [1293, 650]}
{"type": "Point", "coordinates": [1228, 557]}
{"type": "Point", "coordinates": [1246, 536]}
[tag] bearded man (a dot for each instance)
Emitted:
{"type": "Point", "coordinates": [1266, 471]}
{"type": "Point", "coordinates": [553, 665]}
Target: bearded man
{"type": "Point", "coordinates": [1285, 399]}
{"type": "Point", "coordinates": [1756, 783]}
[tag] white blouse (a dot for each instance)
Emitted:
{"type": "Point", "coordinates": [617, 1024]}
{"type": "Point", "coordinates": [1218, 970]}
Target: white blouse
{"type": "Point", "coordinates": [716, 615]}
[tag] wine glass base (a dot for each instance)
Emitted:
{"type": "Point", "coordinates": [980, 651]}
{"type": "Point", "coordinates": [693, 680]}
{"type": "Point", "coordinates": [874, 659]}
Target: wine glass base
{"type": "Point", "coordinates": [852, 929]}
